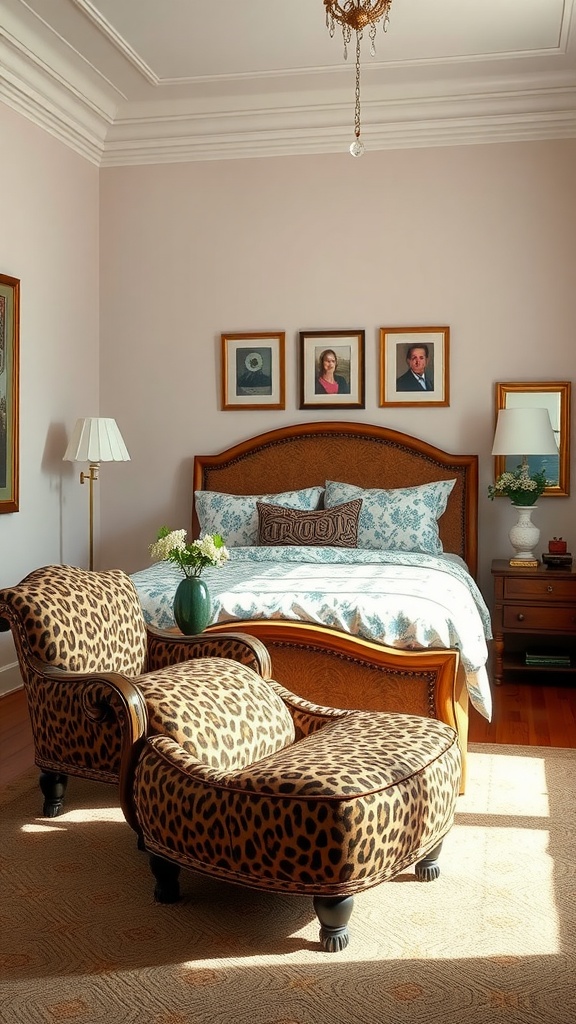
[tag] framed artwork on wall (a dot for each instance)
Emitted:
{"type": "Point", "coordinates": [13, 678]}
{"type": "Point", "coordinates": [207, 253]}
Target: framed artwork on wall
{"type": "Point", "coordinates": [332, 369]}
{"type": "Point", "coordinates": [254, 370]}
{"type": "Point", "coordinates": [9, 395]}
{"type": "Point", "coordinates": [555, 397]}
{"type": "Point", "coordinates": [414, 366]}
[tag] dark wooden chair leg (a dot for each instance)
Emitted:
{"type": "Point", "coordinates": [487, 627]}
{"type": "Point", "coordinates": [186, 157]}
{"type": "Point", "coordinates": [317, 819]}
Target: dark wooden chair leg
{"type": "Point", "coordinates": [334, 912]}
{"type": "Point", "coordinates": [53, 786]}
{"type": "Point", "coordinates": [427, 870]}
{"type": "Point", "coordinates": [166, 873]}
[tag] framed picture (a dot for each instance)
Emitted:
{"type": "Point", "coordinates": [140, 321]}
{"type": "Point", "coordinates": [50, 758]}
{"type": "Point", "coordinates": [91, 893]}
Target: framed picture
{"type": "Point", "coordinates": [414, 365]}
{"type": "Point", "coordinates": [9, 374]}
{"type": "Point", "coordinates": [555, 397]}
{"type": "Point", "coordinates": [332, 369]}
{"type": "Point", "coordinates": [253, 371]}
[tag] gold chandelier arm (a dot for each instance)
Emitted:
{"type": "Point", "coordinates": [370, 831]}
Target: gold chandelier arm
{"type": "Point", "coordinates": [357, 14]}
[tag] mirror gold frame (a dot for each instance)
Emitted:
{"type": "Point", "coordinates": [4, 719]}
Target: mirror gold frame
{"type": "Point", "coordinates": [551, 395]}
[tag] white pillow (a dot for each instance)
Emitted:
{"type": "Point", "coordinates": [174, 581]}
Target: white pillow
{"type": "Point", "coordinates": [399, 519]}
{"type": "Point", "coordinates": [235, 516]}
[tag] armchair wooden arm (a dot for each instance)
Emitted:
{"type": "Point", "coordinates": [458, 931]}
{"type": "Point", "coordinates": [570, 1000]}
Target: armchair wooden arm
{"type": "Point", "coordinates": [166, 647]}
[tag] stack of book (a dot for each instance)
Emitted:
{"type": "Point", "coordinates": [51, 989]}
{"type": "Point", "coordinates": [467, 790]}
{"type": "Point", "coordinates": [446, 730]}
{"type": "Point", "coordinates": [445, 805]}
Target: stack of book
{"type": "Point", "coordinates": [557, 561]}
{"type": "Point", "coordinates": [548, 659]}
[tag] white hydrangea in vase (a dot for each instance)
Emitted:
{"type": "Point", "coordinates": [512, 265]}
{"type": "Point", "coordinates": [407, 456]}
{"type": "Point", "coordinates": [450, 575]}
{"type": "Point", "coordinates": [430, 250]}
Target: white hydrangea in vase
{"type": "Point", "coordinates": [192, 604]}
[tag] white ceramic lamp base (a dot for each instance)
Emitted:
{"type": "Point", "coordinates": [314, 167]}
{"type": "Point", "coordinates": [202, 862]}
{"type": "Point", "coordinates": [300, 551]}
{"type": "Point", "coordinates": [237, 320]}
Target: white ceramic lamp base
{"type": "Point", "coordinates": [524, 536]}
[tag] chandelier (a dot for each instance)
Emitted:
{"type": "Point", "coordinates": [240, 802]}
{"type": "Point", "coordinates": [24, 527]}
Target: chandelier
{"type": "Point", "coordinates": [355, 16]}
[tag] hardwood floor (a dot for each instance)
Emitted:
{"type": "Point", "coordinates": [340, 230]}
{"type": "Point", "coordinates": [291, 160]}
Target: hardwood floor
{"type": "Point", "coordinates": [525, 711]}
{"type": "Point", "coordinates": [16, 745]}
{"type": "Point", "coordinates": [529, 710]}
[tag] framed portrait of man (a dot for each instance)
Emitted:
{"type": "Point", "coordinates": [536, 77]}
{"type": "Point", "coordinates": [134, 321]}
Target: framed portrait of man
{"type": "Point", "coordinates": [414, 366]}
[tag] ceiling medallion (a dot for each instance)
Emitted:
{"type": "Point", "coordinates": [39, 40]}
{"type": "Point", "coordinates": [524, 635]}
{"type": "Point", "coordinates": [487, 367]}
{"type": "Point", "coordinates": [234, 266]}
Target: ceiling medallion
{"type": "Point", "coordinates": [355, 16]}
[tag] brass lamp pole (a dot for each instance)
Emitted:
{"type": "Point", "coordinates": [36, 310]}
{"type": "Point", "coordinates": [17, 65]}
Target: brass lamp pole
{"type": "Point", "coordinates": [91, 476]}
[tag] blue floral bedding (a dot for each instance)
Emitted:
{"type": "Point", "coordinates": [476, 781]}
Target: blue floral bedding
{"type": "Point", "coordinates": [402, 599]}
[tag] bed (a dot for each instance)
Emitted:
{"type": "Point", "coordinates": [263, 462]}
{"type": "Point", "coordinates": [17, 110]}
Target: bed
{"type": "Point", "coordinates": [328, 658]}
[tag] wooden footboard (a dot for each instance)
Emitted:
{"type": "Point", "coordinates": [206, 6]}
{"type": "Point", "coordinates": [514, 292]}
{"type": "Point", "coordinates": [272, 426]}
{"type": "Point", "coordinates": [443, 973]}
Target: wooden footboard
{"type": "Point", "coordinates": [337, 670]}
{"type": "Point", "coordinates": [316, 662]}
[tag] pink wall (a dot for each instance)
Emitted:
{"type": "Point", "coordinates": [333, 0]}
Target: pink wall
{"type": "Point", "coordinates": [48, 239]}
{"type": "Point", "coordinates": [129, 275]}
{"type": "Point", "coordinates": [481, 238]}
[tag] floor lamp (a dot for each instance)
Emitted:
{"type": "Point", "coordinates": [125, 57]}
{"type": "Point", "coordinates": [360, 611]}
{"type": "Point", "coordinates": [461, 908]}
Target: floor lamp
{"type": "Point", "coordinates": [95, 440]}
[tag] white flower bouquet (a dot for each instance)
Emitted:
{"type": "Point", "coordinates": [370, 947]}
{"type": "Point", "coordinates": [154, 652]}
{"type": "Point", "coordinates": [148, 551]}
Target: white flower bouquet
{"type": "Point", "coordinates": [519, 486]}
{"type": "Point", "coordinates": [171, 546]}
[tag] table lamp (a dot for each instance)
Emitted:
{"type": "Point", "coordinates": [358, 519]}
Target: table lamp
{"type": "Point", "coordinates": [522, 432]}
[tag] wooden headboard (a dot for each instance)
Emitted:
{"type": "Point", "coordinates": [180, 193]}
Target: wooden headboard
{"type": "Point", "coordinates": [308, 454]}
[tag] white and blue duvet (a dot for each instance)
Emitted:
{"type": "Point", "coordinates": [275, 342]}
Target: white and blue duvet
{"type": "Point", "coordinates": [401, 599]}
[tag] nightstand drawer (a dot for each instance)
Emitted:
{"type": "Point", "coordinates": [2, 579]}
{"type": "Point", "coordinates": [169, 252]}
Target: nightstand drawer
{"type": "Point", "coordinates": [553, 588]}
{"type": "Point", "coordinates": [528, 617]}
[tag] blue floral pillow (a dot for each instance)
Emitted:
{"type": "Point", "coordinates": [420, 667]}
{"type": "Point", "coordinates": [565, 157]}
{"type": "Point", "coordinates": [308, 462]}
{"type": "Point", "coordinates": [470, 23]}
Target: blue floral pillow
{"type": "Point", "coordinates": [399, 519]}
{"type": "Point", "coordinates": [235, 517]}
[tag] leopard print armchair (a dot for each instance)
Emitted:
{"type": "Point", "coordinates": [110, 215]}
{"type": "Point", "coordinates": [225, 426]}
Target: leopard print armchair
{"type": "Point", "coordinates": [256, 786]}
{"type": "Point", "coordinates": [74, 630]}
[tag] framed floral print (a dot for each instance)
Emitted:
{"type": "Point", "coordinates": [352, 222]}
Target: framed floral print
{"type": "Point", "coordinates": [253, 370]}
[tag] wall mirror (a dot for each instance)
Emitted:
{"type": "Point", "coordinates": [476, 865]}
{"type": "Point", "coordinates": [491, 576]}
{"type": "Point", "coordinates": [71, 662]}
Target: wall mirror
{"type": "Point", "coordinates": [554, 396]}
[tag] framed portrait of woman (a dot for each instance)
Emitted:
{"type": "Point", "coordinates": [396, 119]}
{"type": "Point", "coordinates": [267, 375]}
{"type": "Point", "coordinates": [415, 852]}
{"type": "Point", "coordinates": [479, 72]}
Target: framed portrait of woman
{"type": "Point", "coordinates": [332, 369]}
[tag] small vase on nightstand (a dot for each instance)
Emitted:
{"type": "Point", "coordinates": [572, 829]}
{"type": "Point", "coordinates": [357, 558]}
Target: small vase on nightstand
{"type": "Point", "coordinates": [524, 535]}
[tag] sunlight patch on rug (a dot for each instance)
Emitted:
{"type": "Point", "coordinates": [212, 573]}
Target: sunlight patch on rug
{"type": "Point", "coordinates": [507, 784]}
{"type": "Point", "coordinates": [490, 942]}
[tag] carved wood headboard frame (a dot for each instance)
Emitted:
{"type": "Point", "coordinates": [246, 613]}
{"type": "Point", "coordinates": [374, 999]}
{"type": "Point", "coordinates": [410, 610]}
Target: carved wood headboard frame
{"type": "Point", "coordinates": [308, 454]}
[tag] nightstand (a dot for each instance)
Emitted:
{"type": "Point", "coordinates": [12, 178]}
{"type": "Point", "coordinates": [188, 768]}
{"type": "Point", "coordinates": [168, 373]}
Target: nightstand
{"type": "Point", "coordinates": [535, 611]}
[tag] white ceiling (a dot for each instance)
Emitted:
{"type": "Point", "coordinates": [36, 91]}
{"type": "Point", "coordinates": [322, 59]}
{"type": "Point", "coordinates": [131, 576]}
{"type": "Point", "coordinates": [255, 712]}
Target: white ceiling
{"type": "Point", "coordinates": [142, 81]}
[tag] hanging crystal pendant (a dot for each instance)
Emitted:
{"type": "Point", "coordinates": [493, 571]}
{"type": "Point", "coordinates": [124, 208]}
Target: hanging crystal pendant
{"type": "Point", "coordinates": [357, 148]}
{"type": "Point", "coordinates": [372, 34]}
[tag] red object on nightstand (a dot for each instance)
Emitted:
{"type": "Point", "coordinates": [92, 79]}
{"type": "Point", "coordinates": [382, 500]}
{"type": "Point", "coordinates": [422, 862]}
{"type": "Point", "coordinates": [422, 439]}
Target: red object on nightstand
{"type": "Point", "coordinates": [557, 546]}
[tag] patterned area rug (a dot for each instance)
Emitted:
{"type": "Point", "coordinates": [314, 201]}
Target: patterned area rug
{"type": "Point", "coordinates": [492, 940]}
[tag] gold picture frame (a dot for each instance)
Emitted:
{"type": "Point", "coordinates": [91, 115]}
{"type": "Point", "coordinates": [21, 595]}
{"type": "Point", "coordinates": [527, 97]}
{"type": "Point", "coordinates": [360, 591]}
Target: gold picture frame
{"type": "Point", "coordinates": [9, 392]}
{"type": "Point", "coordinates": [253, 370]}
{"type": "Point", "coordinates": [554, 396]}
{"type": "Point", "coordinates": [399, 383]}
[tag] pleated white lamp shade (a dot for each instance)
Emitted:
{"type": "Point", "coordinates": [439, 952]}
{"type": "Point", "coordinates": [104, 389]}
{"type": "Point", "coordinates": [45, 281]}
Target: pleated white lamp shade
{"type": "Point", "coordinates": [96, 439]}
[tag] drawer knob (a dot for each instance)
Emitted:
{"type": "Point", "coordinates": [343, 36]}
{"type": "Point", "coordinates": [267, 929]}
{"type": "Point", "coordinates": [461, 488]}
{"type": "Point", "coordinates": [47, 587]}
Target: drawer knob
{"type": "Point", "coordinates": [520, 617]}
{"type": "Point", "coordinates": [549, 589]}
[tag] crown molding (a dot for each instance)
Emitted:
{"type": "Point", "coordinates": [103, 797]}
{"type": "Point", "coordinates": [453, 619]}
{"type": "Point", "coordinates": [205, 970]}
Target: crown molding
{"type": "Point", "coordinates": [80, 110]}
{"type": "Point", "coordinates": [68, 112]}
{"type": "Point", "coordinates": [327, 127]}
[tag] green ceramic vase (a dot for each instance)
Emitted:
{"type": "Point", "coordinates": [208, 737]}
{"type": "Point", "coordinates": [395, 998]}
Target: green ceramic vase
{"type": "Point", "coordinates": [192, 605]}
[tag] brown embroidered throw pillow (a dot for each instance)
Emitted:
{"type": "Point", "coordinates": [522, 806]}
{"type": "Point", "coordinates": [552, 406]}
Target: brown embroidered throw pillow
{"type": "Point", "coordinates": [334, 527]}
